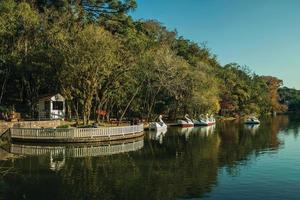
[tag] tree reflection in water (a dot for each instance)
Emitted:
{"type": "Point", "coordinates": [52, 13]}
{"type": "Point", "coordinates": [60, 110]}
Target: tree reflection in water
{"type": "Point", "coordinates": [184, 164]}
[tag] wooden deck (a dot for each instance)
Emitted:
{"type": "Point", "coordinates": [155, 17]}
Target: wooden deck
{"type": "Point", "coordinates": [67, 135]}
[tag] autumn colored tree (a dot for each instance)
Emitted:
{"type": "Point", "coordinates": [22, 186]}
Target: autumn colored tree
{"type": "Point", "coordinates": [273, 85]}
{"type": "Point", "coordinates": [243, 92]}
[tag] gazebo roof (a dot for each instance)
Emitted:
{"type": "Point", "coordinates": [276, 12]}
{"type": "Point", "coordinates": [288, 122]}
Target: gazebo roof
{"type": "Point", "coordinates": [48, 97]}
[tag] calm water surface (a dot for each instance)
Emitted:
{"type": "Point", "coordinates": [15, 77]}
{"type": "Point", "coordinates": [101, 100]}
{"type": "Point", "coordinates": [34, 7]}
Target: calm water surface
{"type": "Point", "coordinates": [228, 161]}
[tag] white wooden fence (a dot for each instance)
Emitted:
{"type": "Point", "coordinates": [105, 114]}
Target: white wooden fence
{"type": "Point", "coordinates": [72, 133]}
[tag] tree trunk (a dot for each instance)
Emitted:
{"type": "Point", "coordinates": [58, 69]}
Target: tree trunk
{"type": "Point", "coordinates": [87, 106]}
{"type": "Point", "coordinates": [69, 110]}
{"type": "Point", "coordinates": [4, 85]}
{"type": "Point", "coordinates": [105, 108]}
{"type": "Point", "coordinates": [75, 105]}
{"type": "Point", "coordinates": [86, 113]}
{"type": "Point", "coordinates": [152, 103]}
{"type": "Point", "coordinates": [99, 106]}
{"type": "Point", "coordinates": [129, 103]}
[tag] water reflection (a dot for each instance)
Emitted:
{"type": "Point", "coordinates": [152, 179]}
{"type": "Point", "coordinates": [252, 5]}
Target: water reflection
{"type": "Point", "coordinates": [186, 131]}
{"type": "Point", "coordinates": [57, 153]}
{"type": "Point", "coordinates": [182, 163]}
{"type": "Point", "coordinates": [252, 128]}
{"type": "Point", "coordinates": [239, 147]}
{"type": "Point", "coordinates": [57, 160]}
{"type": "Point", "coordinates": [157, 135]}
{"type": "Point", "coordinates": [77, 150]}
{"type": "Point", "coordinates": [203, 131]}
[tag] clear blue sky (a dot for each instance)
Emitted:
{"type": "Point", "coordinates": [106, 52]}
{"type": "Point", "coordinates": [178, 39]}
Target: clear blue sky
{"type": "Point", "coordinates": [262, 34]}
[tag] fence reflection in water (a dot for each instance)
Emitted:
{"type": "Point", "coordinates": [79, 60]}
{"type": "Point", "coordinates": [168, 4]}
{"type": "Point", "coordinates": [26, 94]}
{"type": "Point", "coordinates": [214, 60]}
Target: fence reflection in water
{"type": "Point", "coordinates": [78, 150]}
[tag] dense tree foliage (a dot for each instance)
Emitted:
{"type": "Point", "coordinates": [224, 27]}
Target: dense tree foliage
{"type": "Point", "coordinates": [100, 59]}
{"type": "Point", "coordinates": [273, 85]}
{"type": "Point", "coordinates": [290, 97]}
{"type": "Point", "coordinates": [243, 92]}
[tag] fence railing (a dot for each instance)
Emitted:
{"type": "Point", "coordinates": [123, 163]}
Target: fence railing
{"type": "Point", "coordinates": [73, 133]}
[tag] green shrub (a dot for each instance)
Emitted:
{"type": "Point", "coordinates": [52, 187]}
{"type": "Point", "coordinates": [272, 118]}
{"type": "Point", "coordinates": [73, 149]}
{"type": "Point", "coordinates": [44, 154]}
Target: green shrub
{"type": "Point", "coordinates": [63, 126]}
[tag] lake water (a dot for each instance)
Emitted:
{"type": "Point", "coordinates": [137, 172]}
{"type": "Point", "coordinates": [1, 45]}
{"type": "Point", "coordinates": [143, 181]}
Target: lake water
{"type": "Point", "coordinates": [227, 161]}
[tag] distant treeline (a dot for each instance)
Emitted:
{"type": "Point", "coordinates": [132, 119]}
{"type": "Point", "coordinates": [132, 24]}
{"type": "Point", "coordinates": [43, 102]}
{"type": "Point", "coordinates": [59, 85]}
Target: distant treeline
{"type": "Point", "coordinates": [99, 58]}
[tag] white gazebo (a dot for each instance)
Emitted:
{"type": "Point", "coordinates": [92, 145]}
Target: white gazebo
{"type": "Point", "coordinates": [51, 107]}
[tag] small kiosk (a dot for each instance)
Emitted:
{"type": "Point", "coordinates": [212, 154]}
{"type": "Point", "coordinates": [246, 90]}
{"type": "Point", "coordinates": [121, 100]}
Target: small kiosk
{"type": "Point", "coordinates": [51, 107]}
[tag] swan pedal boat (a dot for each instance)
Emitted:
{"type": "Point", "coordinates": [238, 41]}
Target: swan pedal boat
{"type": "Point", "coordinates": [252, 120]}
{"type": "Point", "coordinates": [185, 123]}
{"type": "Point", "coordinates": [158, 125]}
{"type": "Point", "coordinates": [204, 122]}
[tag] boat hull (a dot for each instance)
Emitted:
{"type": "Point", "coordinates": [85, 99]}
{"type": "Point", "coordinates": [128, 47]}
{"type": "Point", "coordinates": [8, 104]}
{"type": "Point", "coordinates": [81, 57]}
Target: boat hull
{"type": "Point", "coordinates": [157, 126]}
{"type": "Point", "coordinates": [184, 124]}
{"type": "Point", "coordinates": [203, 123]}
{"type": "Point", "coordinates": [249, 123]}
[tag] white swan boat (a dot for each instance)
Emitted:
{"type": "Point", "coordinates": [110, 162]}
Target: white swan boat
{"type": "Point", "coordinates": [208, 121]}
{"type": "Point", "coordinates": [158, 125]}
{"type": "Point", "coordinates": [185, 123]}
{"type": "Point", "coordinates": [252, 120]}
